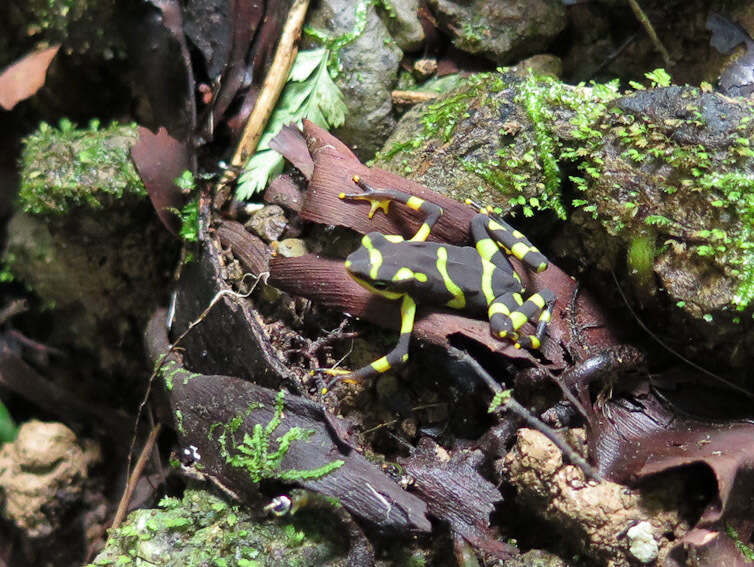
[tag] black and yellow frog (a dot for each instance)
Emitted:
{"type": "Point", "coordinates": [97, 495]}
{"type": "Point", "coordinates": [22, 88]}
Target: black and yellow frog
{"type": "Point", "coordinates": [477, 280]}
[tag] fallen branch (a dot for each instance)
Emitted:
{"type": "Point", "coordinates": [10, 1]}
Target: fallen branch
{"type": "Point", "coordinates": [270, 92]}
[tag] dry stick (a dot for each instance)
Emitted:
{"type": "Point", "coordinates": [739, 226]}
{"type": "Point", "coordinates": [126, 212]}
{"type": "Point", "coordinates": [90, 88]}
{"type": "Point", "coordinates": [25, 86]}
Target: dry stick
{"type": "Point", "coordinates": [642, 17]}
{"type": "Point", "coordinates": [133, 479]}
{"type": "Point", "coordinates": [271, 88]}
{"type": "Point", "coordinates": [411, 97]}
{"type": "Point", "coordinates": [517, 409]}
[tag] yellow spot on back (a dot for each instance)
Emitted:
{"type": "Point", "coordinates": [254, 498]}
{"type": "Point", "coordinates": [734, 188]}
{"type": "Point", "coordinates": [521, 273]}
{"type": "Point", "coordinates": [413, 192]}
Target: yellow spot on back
{"type": "Point", "coordinates": [517, 234]}
{"type": "Point", "coordinates": [486, 248]}
{"type": "Point", "coordinates": [403, 274]}
{"type": "Point", "coordinates": [459, 300]}
{"type": "Point", "coordinates": [421, 234]}
{"type": "Point", "coordinates": [394, 238]}
{"type": "Point", "coordinates": [488, 268]}
{"type": "Point", "coordinates": [420, 277]}
{"type": "Point", "coordinates": [519, 250]}
{"type": "Point", "coordinates": [517, 298]}
{"type": "Point", "coordinates": [414, 203]}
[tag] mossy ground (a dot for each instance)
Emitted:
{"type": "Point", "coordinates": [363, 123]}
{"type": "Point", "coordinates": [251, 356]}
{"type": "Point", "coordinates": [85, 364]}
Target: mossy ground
{"type": "Point", "coordinates": [204, 529]}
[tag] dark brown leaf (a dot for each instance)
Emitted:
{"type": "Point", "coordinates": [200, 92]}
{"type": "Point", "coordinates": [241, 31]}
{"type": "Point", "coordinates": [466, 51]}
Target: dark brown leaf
{"type": "Point", "coordinates": [160, 159]}
{"type": "Point", "coordinates": [284, 191]}
{"type": "Point", "coordinates": [162, 65]}
{"type": "Point", "coordinates": [253, 254]}
{"type": "Point", "coordinates": [25, 77]}
{"type": "Point", "coordinates": [457, 494]}
{"type": "Point", "coordinates": [636, 436]}
{"type": "Point", "coordinates": [290, 142]}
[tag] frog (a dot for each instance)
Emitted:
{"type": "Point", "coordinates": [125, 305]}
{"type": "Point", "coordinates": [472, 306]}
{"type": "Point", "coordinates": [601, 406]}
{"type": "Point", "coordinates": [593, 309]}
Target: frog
{"type": "Point", "coordinates": [477, 281]}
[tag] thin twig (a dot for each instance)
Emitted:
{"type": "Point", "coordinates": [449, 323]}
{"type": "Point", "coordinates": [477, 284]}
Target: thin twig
{"type": "Point", "coordinates": [271, 88]}
{"type": "Point", "coordinates": [126, 494]}
{"type": "Point", "coordinates": [663, 344]}
{"type": "Point", "coordinates": [12, 309]}
{"type": "Point", "coordinates": [516, 408]}
{"type": "Point", "coordinates": [133, 479]}
{"type": "Point", "coordinates": [644, 20]}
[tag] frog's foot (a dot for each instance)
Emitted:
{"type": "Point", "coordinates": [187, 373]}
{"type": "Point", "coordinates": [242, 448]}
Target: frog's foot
{"type": "Point", "coordinates": [377, 199]}
{"type": "Point", "coordinates": [484, 209]}
{"type": "Point", "coordinates": [336, 375]}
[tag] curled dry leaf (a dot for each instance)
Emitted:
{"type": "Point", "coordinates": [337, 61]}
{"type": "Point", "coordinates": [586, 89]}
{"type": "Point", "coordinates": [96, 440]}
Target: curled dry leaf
{"type": "Point", "coordinates": [25, 77]}
{"type": "Point", "coordinates": [636, 436]}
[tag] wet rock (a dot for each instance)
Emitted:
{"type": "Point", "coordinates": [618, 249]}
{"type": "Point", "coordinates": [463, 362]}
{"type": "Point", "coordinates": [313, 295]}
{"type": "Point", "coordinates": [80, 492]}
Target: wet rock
{"type": "Point", "coordinates": [402, 20]}
{"type": "Point", "coordinates": [593, 515]}
{"type": "Point", "coordinates": [368, 70]}
{"type": "Point", "coordinates": [268, 223]}
{"type": "Point", "coordinates": [502, 31]}
{"type": "Point", "coordinates": [541, 64]}
{"type": "Point", "coordinates": [42, 474]}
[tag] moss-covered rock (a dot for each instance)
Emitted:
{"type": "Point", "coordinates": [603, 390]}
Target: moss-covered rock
{"type": "Point", "coordinates": [203, 529]}
{"type": "Point", "coordinates": [665, 175]}
{"type": "Point", "coordinates": [367, 69]}
{"type": "Point", "coordinates": [86, 240]}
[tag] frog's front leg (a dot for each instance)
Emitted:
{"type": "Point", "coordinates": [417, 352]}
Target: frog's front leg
{"type": "Point", "coordinates": [381, 198]}
{"type": "Point", "coordinates": [396, 357]}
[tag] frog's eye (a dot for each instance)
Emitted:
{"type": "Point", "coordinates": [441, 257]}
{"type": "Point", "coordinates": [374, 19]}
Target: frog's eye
{"type": "Point", "coordinates": [379, 284]}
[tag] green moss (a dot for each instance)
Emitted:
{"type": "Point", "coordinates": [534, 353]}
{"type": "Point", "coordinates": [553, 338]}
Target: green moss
{"type": "Point", "coordinates": [335, 43]}
{"type": "Point", "coordinates": [542, 98]}
{"type": "Point", "coordinates": [66, 167]}
{"type": "Point", "coordinates": [202, 529]}
{"type": "Point", "coordinates": [255, 453]}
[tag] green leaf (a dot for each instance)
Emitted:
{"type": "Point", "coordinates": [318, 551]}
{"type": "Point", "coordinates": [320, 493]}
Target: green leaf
{"type": "Point", "coordinates": [310, 93]}
{"type": "Point", "coordinates": [258, 170]}
{"type": "Point", "coordinates": [8, 429]}
{"type": "Point", "coordinates": [305, 63]}
{"type": "Point", "coordinates": [659, 78]}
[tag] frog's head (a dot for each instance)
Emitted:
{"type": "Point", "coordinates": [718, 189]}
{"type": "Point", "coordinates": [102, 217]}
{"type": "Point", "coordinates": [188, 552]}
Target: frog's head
{"type": "Point", "coordinates": [379, 266]}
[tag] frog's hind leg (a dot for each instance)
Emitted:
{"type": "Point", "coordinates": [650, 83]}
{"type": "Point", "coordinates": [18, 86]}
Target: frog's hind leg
{"type": "Point", "coordinates": [381, 198]}
{"type": "Point", "coordinates": [489, 232]}
{"type": "Point", "coordinates": [509, 312]}
{"type": "Point", "coordinates": [394, 359]}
